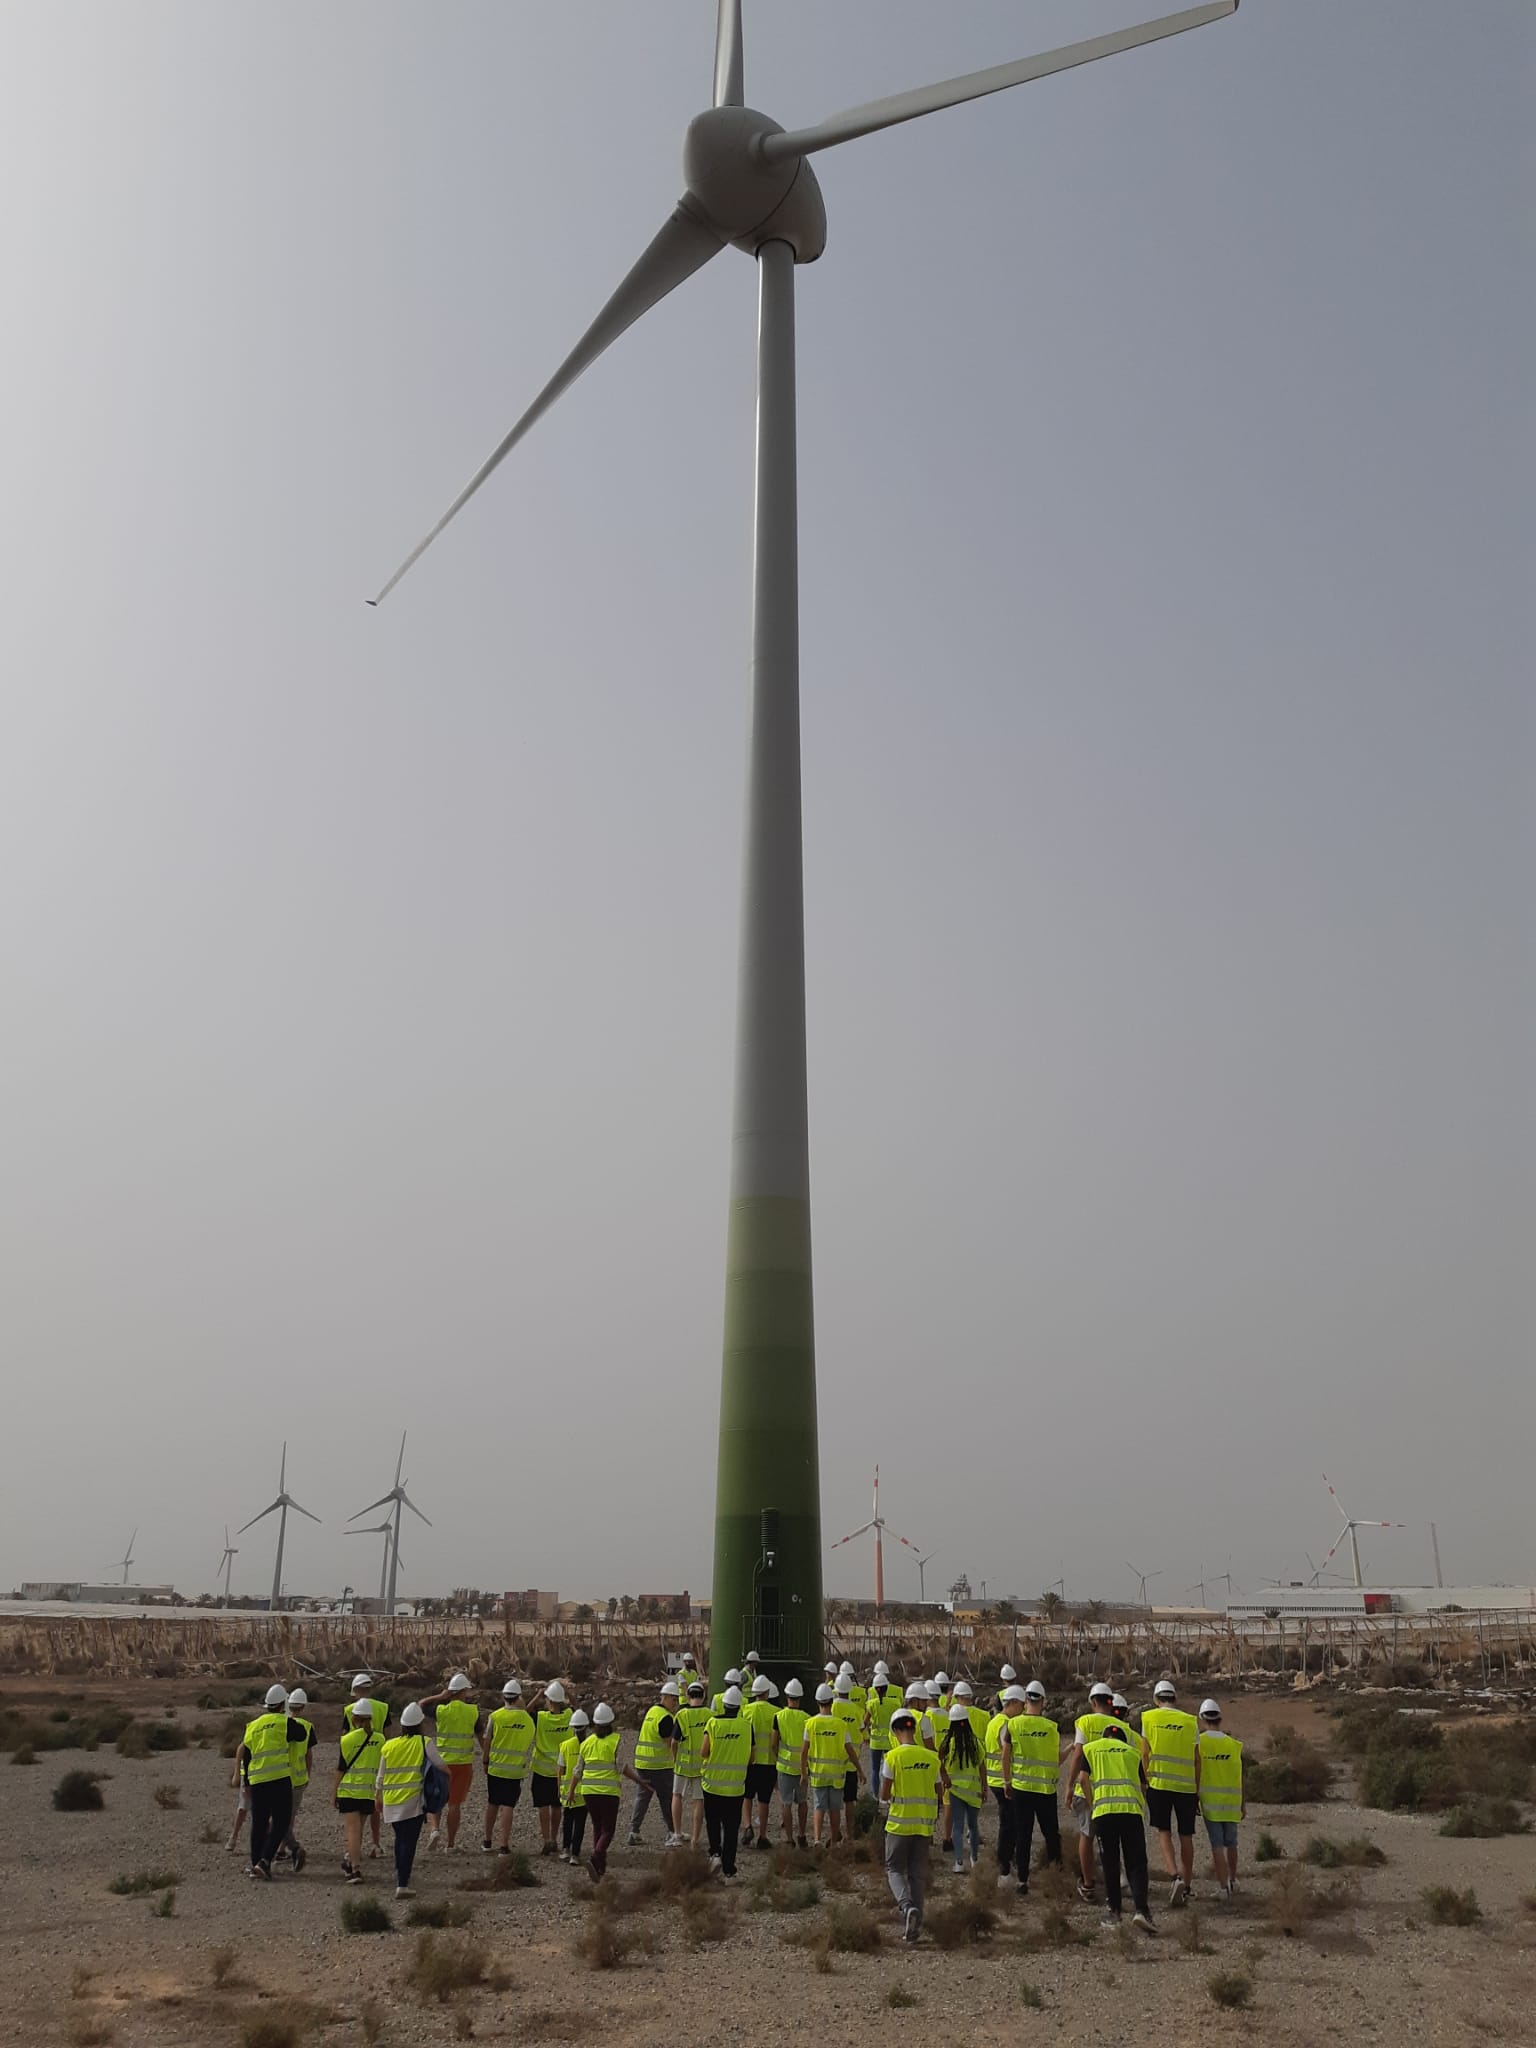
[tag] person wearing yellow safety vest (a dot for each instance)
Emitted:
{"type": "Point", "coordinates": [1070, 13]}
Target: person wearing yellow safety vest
{"type": "Point", "coordinates": [264, 1764]}
{"type": "Point", "coordinates": [551, 1723]}
{"type": "Point", "coordinates": [828, 1759]}
{"type": "Point", "coordinates": [656, 1763]}
{"type": "Point", "coordinates": [912, 1780]}
{"type": "Point", "coordinates": [994, 1763]}
{"type": "Point", "coordinates": [1173, 1783]}
{"type": "Point", "coordinates": [1032, 1751]}
{"type": "Point", "coordinates": [693, 1717]}
{"type": "Point", "coordinates": [457, 1718]}
{"type": "Point", "coordinates": [788, 1742]}
{"type": "Point", "coordinates": [856, 1692]}
{"type": "Point", "coordinates": [962, 1757]}
{"type": "Point", "coordinates": [727, 1753]}
{"type": "Point", "coordinates": [761, 1715]}
{"type": "Point", "coordinates": [852, 1720]}
{"type": "Point", "coordinates": [1111, 1765]}
{"type": "Point", "coordinates": [506, 1743]}
{"type": "Point", "coordinates": [688, 1674]}
{"type": "Point", "coordinates": [880, 1702]}
{"type": "Point", "coordinates": [573, 1805]}
{"type": "Point", "coordinates": [357, 1769]}
{"type": "Point", "coordinates": [1088, 1728]}
{"type": "Point", "coordinates": [363, 1688]}
{"type": "Point", "coordinates": [1221, 1794]}
{"type": "Point", "coordinates": [961, 1695]}
{"type": "Point", "coordinates": [600, 1781]}
{"type": "Point", "coordinates": [402, 1767]}
{"type": "Point", "coordinates": [299, 1759]}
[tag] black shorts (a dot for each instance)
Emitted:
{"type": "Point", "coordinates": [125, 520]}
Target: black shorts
{"type": "Point", "coordinates": [1162, 1806]}
{"type": "Point", "coordinates": [851, 1788]}
{"type": "Point", "coordinates": [354, 1806]}
{"type": "Point", "coordinates": [503, 1791]}
{"type": "Point", "coordinates": [546, 1791]}
{"type": "Point", "coordinates": [762, 1782]}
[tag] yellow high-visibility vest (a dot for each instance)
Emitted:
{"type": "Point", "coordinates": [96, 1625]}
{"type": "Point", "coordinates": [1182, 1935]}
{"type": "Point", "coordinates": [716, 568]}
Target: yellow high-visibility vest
{"type": "Point", "coordinates": [600, 1774]}
{"type": "Point", "coordinates": [964, 1780]}
{"type": "Point", "coordinates": [456, 1723]}
{"type": "Point", "coordinates": [652, 1752]}
{"type": "Point", "coordinates": [360, 1751]}
{"type": "Point", "coordinates": [1170, 1739]}
{"type": "Point", "coordinates": [402, 1761]}
{"type": "Point", "coordinates": [730, 1748]}
{"type": "Point", "coordinates": [511, 1744]}
{"type": "Point", "coordinates": [914, 1776]}
{"type": "Point", "coordinates": [266, 1741]}
{"type": "Point", "coordinates": [1115, 1770]}
{"type": "Point", "coordinates": [881, 1704]}
{"type": "Point", "coordinates": [1035, 1745]}
{"type": "Point", "coordinates": [829, 1749]}
{"type": "Point", "coordinates": [692, 1721]}
{"type": "Point", "coordinates": [791, 1726]}
{"type": "Point", "coordinates": [565, 1771]}
{"type": "Point", "coordinates": [849, 1717]}
{"type": "Point", "coordinates": [760, 1717]}
{"type": "Point", "coordinates": [298, 1752]}
{"type": "Point", "coordinates": [549, 1733]}
{"type": "Point", "coordinates": [992, 1750]}
{"type": "Point", "coordinates": [1221, 1775]}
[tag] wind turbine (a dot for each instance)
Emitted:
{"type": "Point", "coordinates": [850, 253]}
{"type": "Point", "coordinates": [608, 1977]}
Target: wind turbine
{"type": "Point", "coordinates": [878, 1523]}
{"type": "Point", "coordinates": [1351, 1524]}
{"type": "Point", "coordinates": [226, 1562]}
{"type": "Point", "coordinates": [126, 1560]}
{"type": "Point", "coordinates": [386, 1529]}
{"type": "Point", "coordinates": [1141, 1579]}
{"type": "Point", "coordinates": [280, 1508]}
{"type": "Point", "coordinates": [401, 1499]}
{"type": "Point", "coordinates": [922, 1565]}
{"type": "Point", "coordinates": [749, 184]}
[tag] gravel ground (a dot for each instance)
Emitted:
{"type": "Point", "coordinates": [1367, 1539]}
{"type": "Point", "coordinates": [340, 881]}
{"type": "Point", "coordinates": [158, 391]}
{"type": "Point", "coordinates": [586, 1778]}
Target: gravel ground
{"type": "Point", "coordinates": [82, 1965]}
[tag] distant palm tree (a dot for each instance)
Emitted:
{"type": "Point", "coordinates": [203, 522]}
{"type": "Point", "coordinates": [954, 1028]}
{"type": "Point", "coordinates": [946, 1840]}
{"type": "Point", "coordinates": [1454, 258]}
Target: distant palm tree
{"type": "Point", "coordinates": [1094, 1610]}
{"type": "Point", "coordinates": [1050, 1604]}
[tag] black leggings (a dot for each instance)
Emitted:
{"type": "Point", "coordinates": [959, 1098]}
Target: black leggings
{"type": "Point", "coordinates": [1007, 1832]}
{"type": "Point", "coordinates": [1123, 1834]}
{"type": "Point", "coordinates": [1030, 1807]}
{"type": "Point", "coordinates": [722, 1817]}
{"type": "Point", "coordinates": [271, 1812]}
{"type": "Point", "coordinates": [573, 1828]}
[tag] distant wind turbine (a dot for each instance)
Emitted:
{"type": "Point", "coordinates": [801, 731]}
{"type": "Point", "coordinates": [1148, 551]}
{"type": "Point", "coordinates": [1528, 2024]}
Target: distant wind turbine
{"type": "Point", "coordinates": [401, 1499]}
{"type": "Point", "coordinates": [1141, 1579]}
{"type": "Point", "coordinates": [226, 1562]}
{"type": "Point", "coordinates": [386, 1529]}
{"type": "Point", "coordinates": [1351, 1524]}
{"type": "Point", "coordinates": [878, 1523]}
{"type": "Point", "coordinates": [126, 1560]}
{"type": "Point", "coordinates": [280, 1508]}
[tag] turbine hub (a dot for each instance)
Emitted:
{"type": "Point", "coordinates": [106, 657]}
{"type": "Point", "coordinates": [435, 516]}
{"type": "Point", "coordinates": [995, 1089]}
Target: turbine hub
{"type": "Point", "coordinates": [744, 198]}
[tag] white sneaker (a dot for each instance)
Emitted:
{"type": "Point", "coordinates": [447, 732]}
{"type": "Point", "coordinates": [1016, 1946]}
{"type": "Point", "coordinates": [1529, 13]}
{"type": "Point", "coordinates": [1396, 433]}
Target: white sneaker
{"type": "Point", "coordinates": [1109, 1923]}
{"type": "Point", "coordinates": [959, 1870]}
{"type": "Point", "coordinates": [1144, 1922]}
{"type": "Point", "coordinates": [403, 1891]}
{"type": "Point", "coordinates": [911, 1919]}
{"type": "Point", "coordinates": [634, 1840]}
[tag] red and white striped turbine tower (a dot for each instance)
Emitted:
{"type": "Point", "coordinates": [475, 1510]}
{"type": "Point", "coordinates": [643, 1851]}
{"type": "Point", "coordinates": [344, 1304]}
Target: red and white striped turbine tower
{"type": "Point", "coordinates": [878, 1523]}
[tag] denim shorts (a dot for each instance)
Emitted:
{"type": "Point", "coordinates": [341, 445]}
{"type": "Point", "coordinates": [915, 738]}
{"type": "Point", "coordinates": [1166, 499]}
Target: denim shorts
{"type": "Point", "coordinates": [1222, 1833]}
{"type": "Point", "coordinates": [790, 1793]}
{"type": "Point", "coordinates": [686, 1788]}
{"type": "Point", "coordinates": [827, 1798]}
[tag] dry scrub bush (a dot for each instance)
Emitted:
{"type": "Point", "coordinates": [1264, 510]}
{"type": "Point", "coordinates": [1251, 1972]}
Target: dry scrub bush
{"type": "Point", "coordinates": [164, 1907]}
{"type": "Point", "coordinates": [1482, 1819]}
{"type": "Point", "coordinates": [440, 1968]}
{"type": "Point", "coordinates": [1056, 1929]}
{"type": "Point", "coordinates": [899, 1997]}
{"type": "Point", "coordinates": [221, 1966]}
{"type": "Point", "coordinates": [1357, 1853]}
{"type": "Point", "coordinates": [969, 1917]}
{"type": "Point", "coordinates": [1268, 1849]}
{"type": "Point", "coordinates": [684, 1870]}
{"type": "Point", "coordinates": [439, 1913]}
{"type": "Point", "coordinates": [786, 1895]}
{"type": "Point", "coordinates": [78, 1792]}
{"type": "Point", "coordinates": [602, 1945]}
{"type": "Point", "coordinates": [1032, 1996]}
{"type": "Point", "coordinates": [270, 2030]}
{"type": "Point", "coordinates": [90, 2033]}
{"type": "Point", "coordinates": [168, 1797]}
{"type": "Point", "coordinates": [1448, 1907]}
{"type": "Point", "coordinates": [361, 1913]}
{"type": "Point", "coordinates": [1231, 1989]}
{"type": "Point", "coordinates": [1288, 1771]}
{"type": "Point", "coordinates": [507, 1874]}
{"type": "Point", "coordinates": [1297, 1900]}
{"type": "Point", "coordinates": [1190, 1938]}
{"type": "Point", "coordinates": [705, 1918]}
{"type": "Point", "coordinates": [852, 1929]}
{"type": "Point", "coordinates": [143, 1881]}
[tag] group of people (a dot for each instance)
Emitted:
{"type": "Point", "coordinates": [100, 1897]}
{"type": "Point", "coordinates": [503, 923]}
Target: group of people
{"type": "Point", "coordinates": [713, 1763]}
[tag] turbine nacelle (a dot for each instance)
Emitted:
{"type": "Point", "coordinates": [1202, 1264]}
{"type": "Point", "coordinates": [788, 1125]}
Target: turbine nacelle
{"type": "Point", "coordinates": [748, 199]}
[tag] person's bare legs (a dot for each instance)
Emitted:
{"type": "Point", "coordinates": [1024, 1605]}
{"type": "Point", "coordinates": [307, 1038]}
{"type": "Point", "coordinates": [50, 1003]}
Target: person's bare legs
{"type": "Point", "coordinates": [1085, 1858]}
{"type": "Point", "coordinates": [352, 1828]}
{"type": "Point", "coordinates": [455, 1815]}
{"type": "Point", "coordinates": [373, 1824]}
{"type": "Point", "coordinates": [1165, 1843]}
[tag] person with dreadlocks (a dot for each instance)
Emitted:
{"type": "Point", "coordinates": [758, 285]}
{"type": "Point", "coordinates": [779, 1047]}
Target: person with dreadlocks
{"type": "Point", "coordinates": [960, 1754]}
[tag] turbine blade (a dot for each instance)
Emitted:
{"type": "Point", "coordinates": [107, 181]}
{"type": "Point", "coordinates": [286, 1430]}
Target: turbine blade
{"type": "Point", "coordinates": [857, 1532]}
{"type": "Point", "coordinates": [730, 81]}
{"type": "Point", "coordinates": [976, 85]}
{"type": "Point", "coordinates": [302, 1511]}
{"type": "Point", "coordinates": [382, 1501]}
{"type": "Point", "coordinates": [416, 1511]}
{"type": "Point", "coordinates": [683, 246]}
{"type": "Point", "coordinates": [400, 1461]}
{"type": "Point", "coordinates": [258, 1518]}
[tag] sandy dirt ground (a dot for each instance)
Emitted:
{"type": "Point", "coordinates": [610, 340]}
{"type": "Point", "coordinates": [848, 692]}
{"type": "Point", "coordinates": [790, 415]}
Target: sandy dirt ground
{"type": "Point", "coordinates": [81, 1965]}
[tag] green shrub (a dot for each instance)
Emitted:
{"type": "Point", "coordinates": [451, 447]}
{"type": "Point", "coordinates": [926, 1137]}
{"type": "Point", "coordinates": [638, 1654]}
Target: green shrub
{"type": "Point", "coordinates": [1231, 1989]}
{"type": "Point", "coordinates": [1482, 1819]}
{"type": "Point", "coordinates": [1356, 1853]}
{"type": "Point", "coordinates": [143, 1881]}
{"type": "Point", "coordinates": [1288, 1771]}
{"type": "Point", "coordinates": [1032, 1996]}
{"type": "Point", "coordinates": [25, 1755]}
{"type": "Point", "coordinates": [439, 1913]}
{"type": "Point", "coordinates": [851, 1928]}
{"type": "Point", "coordinates": [270, 2030]}
{"type": "Point", "coordinates": [900, 1997]}
{"type": "Point", "coordinates": [164, 1907]}
{"type": "Point", "coordinates": [1448, 1907]}
{"type": "Point", "coordinates": [1267, 1849]}
{"type": "Point", "coordinates": [78, 1792]}
{"type": "Point", "coordinates": [866, 1813]}
{"type": "Point", "coordinates": [361, 1913]}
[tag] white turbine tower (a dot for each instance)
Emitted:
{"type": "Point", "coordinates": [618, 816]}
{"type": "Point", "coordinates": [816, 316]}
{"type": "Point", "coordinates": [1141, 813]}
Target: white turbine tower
{"type": "Point", "coordinates": [749, 185]}
{"type": "Point", "coordinates": [386, 1529]}
{"type": "Point", "coordinates": [226, 1562]}
{"type": "Point", "coordinates": [401, 1499]}
{"type": "Point", "coordinates": [280, 1508]}
{"type": "Point", "coordinates": [1351, 1524]}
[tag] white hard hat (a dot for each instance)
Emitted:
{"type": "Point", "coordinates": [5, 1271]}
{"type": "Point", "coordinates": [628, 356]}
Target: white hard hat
{"type": "Point", "coordinates": [931, 1687]}
{"type": "Point", "coordinates": [882, 1669]}
{"type": "Point", "coordinates": [1099, 1691]}
{"type": "Point", "coordinates": [733, 1676]}
{"type": "Point", "coordinates": [962, 1689]}
{"type": "Point", "coordinates": [602, 1714]}
{"type": "Point", "coordinates": [1013, 1692]}
{"type": "Point", "coordinates": [845, 1666]}
{"type": "Point", "coordinates": [459, 1683]}
{"type": "Point", "coordinates": [298, 1697]}
{"type": "Point", "coordinates": [794, 1690]}
{"type": "Point", "coordinates": [695, 1687]}
{"type": "Point", "coordinates": [1034, 1690]}
{"type": "Point", "coordinates": [361, 1710]}
{"type": "Point", "coordinates": [1119, 1700]}
{"type": "Point", "coordinates": [555, 1691]}
{"type": "Point", "coordinates": [941, 1679]}
{"type": "Point", "coordinates": [731, 1697]}
{"type": "Point", "coordinates": [362, 1682]}
{"type": "Point", "coordinates": [959, 1713]}
{"type": "Point", "coordinates": [1164, 1690]}
{"type": "Point", "coordinates": [903, 1718]}
{"type": "Point", "coordinates": [917, 1691]}
{"type": "Point", "coordinates": [412, 1717]}
{"type": "Point", "coordinates": [513, 1689]}
{"type": "Point", "coordinates": [823, 1695]}
{"type": "Point", "coordinates": [1007, 1674]}
{"type": "Point", "coordinates": [773, 1690]}
{"type": "Point", "coordinates": [277, 1695]}
{"type": "Point", "coordinates": [844, 1686]}
{"type": "Point", "coordinates": [830, 1668]}
{"type": "Point", "coordinates": [752, 1657]}
{"type": "Point", "coordinates": [669, 1685]}
{"type": "Point", "coordinates": [759, 1686]}
{"type": "Point", "coordinates": [1209, 1710]}
{"type": "Point", "coordinates": [579, 1719]}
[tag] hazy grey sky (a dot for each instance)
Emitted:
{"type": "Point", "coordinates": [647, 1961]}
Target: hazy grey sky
{"type": "Point", "coordinates": [368, 976]}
